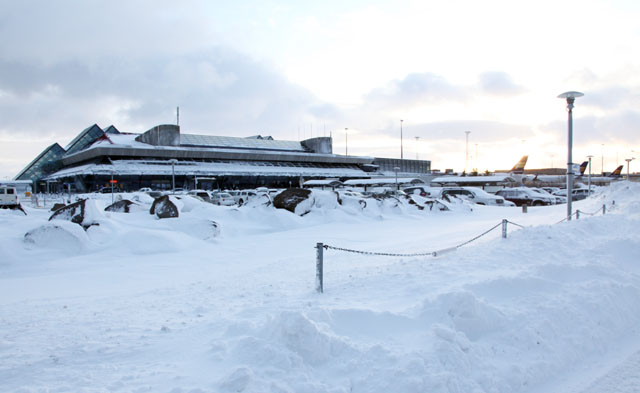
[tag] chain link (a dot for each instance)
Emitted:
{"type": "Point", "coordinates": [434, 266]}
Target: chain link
{"type": "Point", "coordinates": [420, 254]}
{"type": "Point", "coordinates": [435, 253]}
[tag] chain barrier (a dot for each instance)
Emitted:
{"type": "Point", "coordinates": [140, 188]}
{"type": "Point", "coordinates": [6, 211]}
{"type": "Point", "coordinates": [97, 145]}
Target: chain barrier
{"type": "Point", "coordinates": [320, 246]}
{"type": "Point", "coordinates": [419, 254]}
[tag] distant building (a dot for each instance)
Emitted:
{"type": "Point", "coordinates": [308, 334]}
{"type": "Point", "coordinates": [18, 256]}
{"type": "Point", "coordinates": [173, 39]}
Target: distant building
{"type": "Point", "coordinates": [162, 155]}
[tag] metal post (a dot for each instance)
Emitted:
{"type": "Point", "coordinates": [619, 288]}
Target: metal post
{"type": "Point", "coordinates": [570, 96]}
{"type": "Point", "coordinates": [604, 209]}
{"type": "Point", "coordinates": [524, 208]}
{"type": "Point", "coordinates": [504, 228]}
{"type": "Point", "coordinates": [319, 267]}
{"type": "Point", "coordinates": [346, 142]}
{"type": "Point", "coordinates": [589, 174]}
{"type": "Point", "coordinates": [401, 150]}
{"type": "Point", "coordinates": [578, 214]}
{"type": "Point", "coordinates": [112, 188]}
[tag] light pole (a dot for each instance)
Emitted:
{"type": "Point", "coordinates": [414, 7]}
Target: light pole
{"type": "Point", "coordinates": [173, 175]}
{"type": "Point", "coordinates": [417, 145]}
{"type": "Point", "coordinates": [466, 153]}
{"type": "Point", "coordinates": [570, 96]}
{"type": "Point", "coordinates": [346, 142]}
{"type": "Point", "coordinates": [396, 169]}
{"type": "Point", "coordinates": [602, 159]}
{"type": "Point", "coordinates": [401, 151]}
{"type": "Point", "coordinates": [628, 160]}
{"type": "Point", "coordinates": [589, 157]}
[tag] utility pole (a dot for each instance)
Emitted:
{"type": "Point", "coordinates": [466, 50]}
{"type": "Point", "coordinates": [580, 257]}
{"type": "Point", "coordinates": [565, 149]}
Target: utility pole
{"type": "Point", "coordinates": [417, 145]}
{"type": "Point", "coordinates": [401, 154]}
{"type": "Point", "coordinates": [466, 153]}
{"type": "Point", "coordinates": [346, 142]}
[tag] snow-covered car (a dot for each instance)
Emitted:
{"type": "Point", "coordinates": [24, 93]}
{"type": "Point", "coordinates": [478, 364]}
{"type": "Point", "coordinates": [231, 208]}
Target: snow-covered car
{"type": "Point", "coordinates": [242, 196]}
{"type": "Point", "coordinates": [423, 191]}
{"type": "Point", "coordinates": [577, 193]}
{"type": "Point", "coordinates": [526, 196]}
{"type": "Point", "coordinates": [475, 195]}
{"type": "Point", "coordinates": [222, 199]}
{"type": "Point", "coordinates": [145, 189]}
{"type": "Point", "coordinates": [201, 194]}
{"type": "Point", "coordinates": [559, 199]}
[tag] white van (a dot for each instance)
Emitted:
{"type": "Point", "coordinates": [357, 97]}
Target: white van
{"type": "Point", "coordinates": [8, 196]}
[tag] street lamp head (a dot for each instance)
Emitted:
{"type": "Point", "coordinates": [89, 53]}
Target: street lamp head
{"type": "Point", "coordinates": [571, 97]}
{"type": "Point", "coordinates": [571, 94]}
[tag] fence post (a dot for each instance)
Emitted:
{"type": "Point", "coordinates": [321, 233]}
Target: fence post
{"type": "Point", "coordinates": [604, 209]}
{"type": "Point", "coordinates": [319, 263]}
{"type": "Point", "coordinates": [524, 208]}
{"type": "Point", "coordinates": [577, 214]}
{"type": "Point", "coordinates": [504, 228]}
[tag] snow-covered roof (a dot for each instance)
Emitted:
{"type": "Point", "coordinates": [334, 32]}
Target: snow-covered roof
{"type": "Point", "coordinates": [323, 182]}
{"type": "Point", "coordinates": [191, 168]}
{"type": "Point", "coordinates": [383, 181]}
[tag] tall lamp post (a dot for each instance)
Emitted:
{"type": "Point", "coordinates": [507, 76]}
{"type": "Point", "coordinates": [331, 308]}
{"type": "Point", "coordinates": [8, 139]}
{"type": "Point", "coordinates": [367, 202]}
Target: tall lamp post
{"type": "Point", "coordinates": [570, 96]}
{"type": "Point", "coordinates": [173, 175]}
{"type": "Point", "coordinates": [628, 160]}
{"type": "Point", "coordinates": [346, 142]}
{"type": "Point", "coordinates": [466, 152]}
{"type": "Point", "coordinates": [401, 150]}
{"type": "Point", "coordinates": [589, 157]}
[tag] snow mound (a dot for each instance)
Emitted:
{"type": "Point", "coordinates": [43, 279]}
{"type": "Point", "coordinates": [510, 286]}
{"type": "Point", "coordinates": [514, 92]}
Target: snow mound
{"type": "Point", "coordinates": [61, 235]}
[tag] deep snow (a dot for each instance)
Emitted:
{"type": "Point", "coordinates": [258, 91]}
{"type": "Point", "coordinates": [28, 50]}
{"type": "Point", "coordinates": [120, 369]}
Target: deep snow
{"type": "Point", "coordinates": [138, 304]}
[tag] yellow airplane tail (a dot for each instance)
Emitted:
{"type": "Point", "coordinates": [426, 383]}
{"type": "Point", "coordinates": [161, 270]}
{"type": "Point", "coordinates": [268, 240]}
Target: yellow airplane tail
{"type": "Point", "coordinates": [519, 166]}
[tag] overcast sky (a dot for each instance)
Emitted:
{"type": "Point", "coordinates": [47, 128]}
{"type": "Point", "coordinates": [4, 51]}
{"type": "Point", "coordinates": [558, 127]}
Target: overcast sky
{"type": "Point", "coordinates": [299, 69]}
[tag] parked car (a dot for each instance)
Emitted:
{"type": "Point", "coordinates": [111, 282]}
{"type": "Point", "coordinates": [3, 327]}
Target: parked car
{"type": "Point", "coordinates": [222, 199]}
{"type": "Point", "coordinates": [475, 195]}
{"type": "Point", "coordinates": [526, 196]}
{"type": "Point", "coordinates": [242, 196]}
{"type": "Point", "coordinates": [577, 194]}
{"type": "Point", "coordinates": [201, 194]}
{"type": "Point", "coordinates": [559, 199]}
{"type": "Point", "coordinates": [424, 191]}
{"type": "Point", "coordinates": [145, 189]}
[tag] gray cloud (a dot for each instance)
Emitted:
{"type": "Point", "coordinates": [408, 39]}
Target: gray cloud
{"type": "Point", "coordinates": [415, 88]}
{"type": "Point", "coordinates": [219, 91]}
{"type": "Point", "coordinates": [498, 83]}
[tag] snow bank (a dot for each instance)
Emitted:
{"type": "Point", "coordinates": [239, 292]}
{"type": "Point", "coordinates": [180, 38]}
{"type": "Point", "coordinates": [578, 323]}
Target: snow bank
{"type": "Point", "coordinates": [176, 306]}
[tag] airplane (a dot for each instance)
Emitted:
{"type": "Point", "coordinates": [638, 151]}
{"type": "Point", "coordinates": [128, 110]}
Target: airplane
{"type": "Point", "coordinates": [604, 180]}
{"type": "Point", "coordinates": [552, 180]}
{"type": "Point", "coordinates": [489, 183]}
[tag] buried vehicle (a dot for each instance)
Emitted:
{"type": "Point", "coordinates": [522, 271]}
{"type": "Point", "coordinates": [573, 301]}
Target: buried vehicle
{"type": "Point", "coordinates": [9, 199]}
{"type": "Point", "coordinates": [526, 196]}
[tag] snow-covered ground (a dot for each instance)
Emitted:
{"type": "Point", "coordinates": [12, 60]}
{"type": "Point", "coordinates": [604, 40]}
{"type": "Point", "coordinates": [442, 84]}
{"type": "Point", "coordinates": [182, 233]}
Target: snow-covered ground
{"type": "Point", "coordinates": [138, 304]}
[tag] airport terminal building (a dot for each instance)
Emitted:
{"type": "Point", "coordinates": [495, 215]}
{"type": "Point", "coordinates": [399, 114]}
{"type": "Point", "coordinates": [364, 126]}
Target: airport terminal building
{"type": "Point", "coordinates": [162, 156]}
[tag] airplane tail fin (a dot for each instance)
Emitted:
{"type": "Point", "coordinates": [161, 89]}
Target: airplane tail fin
{"type": "Point", "coordinates": [583, 167]}
{"type": "Point", "coordinates": [519, 166]}
{"type": "Point", "coordinates": [616, 172]}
